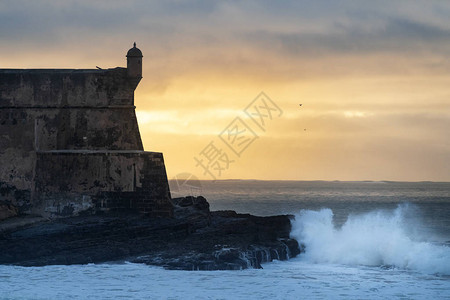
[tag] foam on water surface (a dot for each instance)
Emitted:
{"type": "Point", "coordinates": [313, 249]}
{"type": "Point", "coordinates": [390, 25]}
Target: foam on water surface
{"type": "Point", "coordinates": [296, 279]}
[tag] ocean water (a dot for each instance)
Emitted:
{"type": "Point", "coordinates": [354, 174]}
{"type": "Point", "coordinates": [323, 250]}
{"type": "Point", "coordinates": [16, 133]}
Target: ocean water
{"type": "Point", "coordinates": [364, 240]}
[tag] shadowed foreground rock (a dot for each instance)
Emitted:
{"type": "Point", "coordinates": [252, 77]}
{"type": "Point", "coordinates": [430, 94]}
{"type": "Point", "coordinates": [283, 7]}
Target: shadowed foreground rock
{"type": "Point", "coordinates": [196, 239]}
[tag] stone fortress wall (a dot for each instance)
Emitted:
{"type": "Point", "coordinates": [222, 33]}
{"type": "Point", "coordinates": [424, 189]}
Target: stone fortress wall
{"type": "Point", "coordinates": [70, 142]}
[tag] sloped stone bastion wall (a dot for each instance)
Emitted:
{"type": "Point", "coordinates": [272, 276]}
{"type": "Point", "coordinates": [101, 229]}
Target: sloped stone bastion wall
{"type": "Point", "coordinates": [70, 142]}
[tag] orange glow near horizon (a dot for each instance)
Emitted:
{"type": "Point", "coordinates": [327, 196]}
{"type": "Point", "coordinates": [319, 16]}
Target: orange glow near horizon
{"type": "Point", "coordinates": [378, 128]}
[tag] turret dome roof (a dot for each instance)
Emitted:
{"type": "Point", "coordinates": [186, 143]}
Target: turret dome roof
{"type": "Point", "coordinates": [134, 52]}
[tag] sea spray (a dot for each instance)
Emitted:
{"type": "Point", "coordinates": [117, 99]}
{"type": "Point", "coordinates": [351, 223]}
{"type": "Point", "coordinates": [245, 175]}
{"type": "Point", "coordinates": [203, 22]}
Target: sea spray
{"type": "Point", "coordinates": [377, 238]}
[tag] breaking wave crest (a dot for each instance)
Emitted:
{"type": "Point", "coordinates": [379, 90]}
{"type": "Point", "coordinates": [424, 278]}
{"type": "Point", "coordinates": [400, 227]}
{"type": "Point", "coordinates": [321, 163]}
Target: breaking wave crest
{"type": "Point", "coordinates": [378, 238]}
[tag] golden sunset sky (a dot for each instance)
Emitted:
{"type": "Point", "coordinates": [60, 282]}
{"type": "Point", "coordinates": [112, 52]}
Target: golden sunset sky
{"type": "Point", "coordinates": [373, 78]}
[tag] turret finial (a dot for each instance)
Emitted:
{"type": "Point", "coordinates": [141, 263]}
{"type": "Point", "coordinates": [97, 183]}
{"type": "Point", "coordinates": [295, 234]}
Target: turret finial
{"type": "Point", "coordinates": [134, 45]}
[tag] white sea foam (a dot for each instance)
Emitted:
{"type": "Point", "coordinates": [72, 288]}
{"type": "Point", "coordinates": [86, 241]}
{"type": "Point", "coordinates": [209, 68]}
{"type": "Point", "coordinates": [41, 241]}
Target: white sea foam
{"type": "Point", "coordinates": [294, 279]}
{"type": "Point", "coordinates": [378, 238]}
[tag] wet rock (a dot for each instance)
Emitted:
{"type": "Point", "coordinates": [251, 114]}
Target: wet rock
{"type": "Point", "coordinates": [185, 201]}
{"type": "Point", "coordinates": [201, 204]}
{"type": "Point", "coordinates": [7, 211]}
{"type": "Point", "coordinates": [196, 239]}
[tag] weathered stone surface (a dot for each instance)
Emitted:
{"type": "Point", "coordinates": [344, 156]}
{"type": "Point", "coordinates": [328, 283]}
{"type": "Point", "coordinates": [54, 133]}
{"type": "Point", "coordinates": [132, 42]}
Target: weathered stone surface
{"type": "Point", "coordinates": [195, 240]}
{"type": "Point", "coordinates": [100, 180]}
{"type": "Point", "coordinates": [7, 211]}
{"type": "Point", "coordinates": [66, 87]}
{"type": "Point", "coordinates": [69, 140]}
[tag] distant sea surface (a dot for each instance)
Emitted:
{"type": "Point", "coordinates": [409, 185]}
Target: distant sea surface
{"type": "Point", "coordinates": [364, 240]}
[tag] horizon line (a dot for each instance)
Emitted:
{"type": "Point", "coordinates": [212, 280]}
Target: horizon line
{"type": "Point", "coordinates": [314, 180]}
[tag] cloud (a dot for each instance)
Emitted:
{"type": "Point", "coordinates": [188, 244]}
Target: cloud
{"type": "Point", "coordinates": [373, 75]}
{"type": "Point", "coordinates": [395, 36]}
{"type": "Point", "coordinates": [253, 38]}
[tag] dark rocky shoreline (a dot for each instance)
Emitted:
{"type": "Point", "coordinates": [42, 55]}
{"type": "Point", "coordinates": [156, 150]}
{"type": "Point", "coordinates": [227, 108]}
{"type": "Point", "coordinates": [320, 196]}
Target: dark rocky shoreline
{"type": "Point", "coordinates": [196, 239]}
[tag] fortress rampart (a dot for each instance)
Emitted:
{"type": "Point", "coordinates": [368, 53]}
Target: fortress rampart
{"type": "Point", "coordinates": [70, 142]}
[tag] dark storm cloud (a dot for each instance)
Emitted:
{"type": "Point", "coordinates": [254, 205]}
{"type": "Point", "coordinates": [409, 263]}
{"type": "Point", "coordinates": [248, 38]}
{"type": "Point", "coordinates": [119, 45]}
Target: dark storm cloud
{"type": "Point", "coordinates": [41, 22]}
{"type": "Point", "coordinates": [396, 35]}
{"type": "Point", "coordinates": [31, 17]}
{"type": "Point", "coordinates": [306, 27]}
{"type": "Point", "coordinates": [229, 34]}
{"type": "Point", "coordinates": [410, 29]}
